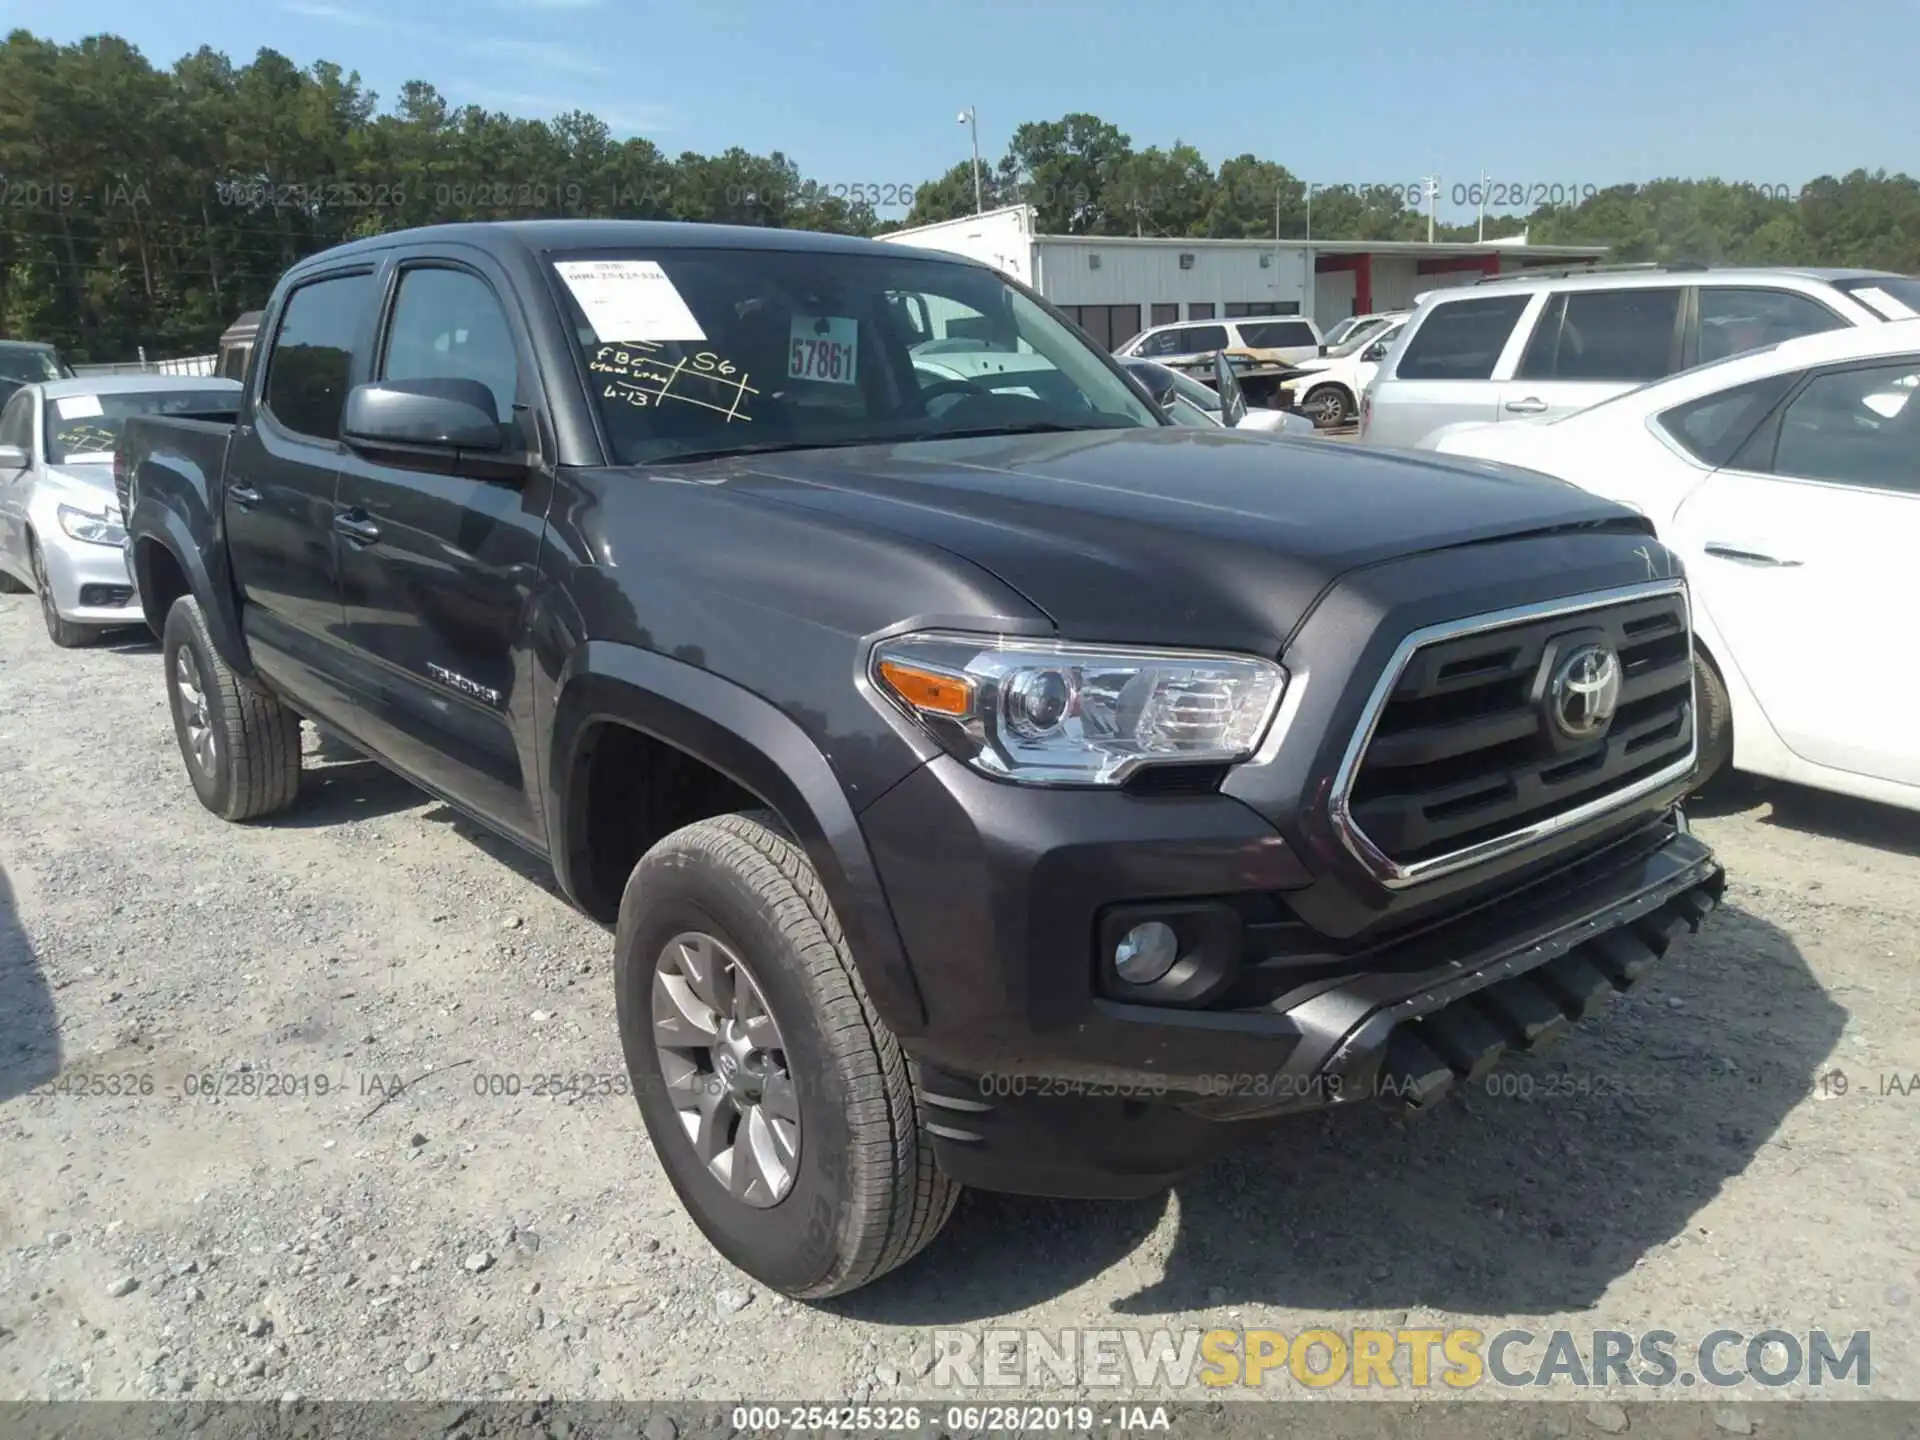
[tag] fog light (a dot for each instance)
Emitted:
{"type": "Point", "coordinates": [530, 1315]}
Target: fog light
{"type": "Point", "coordinates": [1146, 952]}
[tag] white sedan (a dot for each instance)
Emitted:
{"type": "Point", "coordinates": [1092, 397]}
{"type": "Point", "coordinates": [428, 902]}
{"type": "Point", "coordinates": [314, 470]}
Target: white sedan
{"type": "Point", "coordinates": [61, 531]}
{"type": "Point", "coordinates": [1788, 480]}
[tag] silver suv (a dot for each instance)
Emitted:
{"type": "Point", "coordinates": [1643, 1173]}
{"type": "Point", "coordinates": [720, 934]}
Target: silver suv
{"type": "Point", "coordinates": [1519, 347]}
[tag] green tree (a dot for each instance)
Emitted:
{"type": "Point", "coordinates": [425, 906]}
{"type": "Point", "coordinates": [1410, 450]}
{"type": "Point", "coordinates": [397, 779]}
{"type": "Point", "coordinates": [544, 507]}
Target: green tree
{"type": "Point", "coordinates": [1063, 169]}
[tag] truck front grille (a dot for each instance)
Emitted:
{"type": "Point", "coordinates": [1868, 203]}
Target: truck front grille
{"type": "Point", "coordinates": [1488, 734]}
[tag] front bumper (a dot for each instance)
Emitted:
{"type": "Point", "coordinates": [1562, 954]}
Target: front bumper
{"type": "Point", "coordinates": [1033, 1081]}
{"type": "Point", "coordinates": [90, 583]}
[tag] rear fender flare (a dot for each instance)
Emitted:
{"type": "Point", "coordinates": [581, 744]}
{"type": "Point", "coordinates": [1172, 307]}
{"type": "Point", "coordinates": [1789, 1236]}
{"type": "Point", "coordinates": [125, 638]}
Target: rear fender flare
{"type": "Point", "coordinates": [153, 525]}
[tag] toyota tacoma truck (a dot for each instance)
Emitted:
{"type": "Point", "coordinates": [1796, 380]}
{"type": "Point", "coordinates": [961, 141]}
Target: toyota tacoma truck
{"type": "Point", "coordinates": [988, 781]}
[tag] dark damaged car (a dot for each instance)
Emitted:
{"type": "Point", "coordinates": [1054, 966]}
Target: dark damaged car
{"type": "Point", "coordinates": [988, 781]}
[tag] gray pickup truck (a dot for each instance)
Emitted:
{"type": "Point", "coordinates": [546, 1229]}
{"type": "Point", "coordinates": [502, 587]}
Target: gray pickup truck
{"type": "Point", "coordinates": [989, 781]}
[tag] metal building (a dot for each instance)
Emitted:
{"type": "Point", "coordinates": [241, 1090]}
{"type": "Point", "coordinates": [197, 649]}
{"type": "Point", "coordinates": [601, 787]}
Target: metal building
{"type": "Point", "coordinates": [1117, 286]}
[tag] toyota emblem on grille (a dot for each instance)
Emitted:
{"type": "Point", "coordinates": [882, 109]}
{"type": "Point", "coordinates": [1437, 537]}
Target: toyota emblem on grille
{"type": "Point", "coordinates": [1585, 692]}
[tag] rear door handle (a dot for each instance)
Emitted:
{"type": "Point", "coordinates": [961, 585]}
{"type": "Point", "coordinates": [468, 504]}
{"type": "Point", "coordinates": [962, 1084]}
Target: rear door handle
{"type": "Point", "coordinates": [1532, 405]}
{"type": "Point", "coordinates": [356, 527]}
{"type": "Point", "coordinates": [1722, 551]}
{"type": "Point", "coordinates": [245, 496]}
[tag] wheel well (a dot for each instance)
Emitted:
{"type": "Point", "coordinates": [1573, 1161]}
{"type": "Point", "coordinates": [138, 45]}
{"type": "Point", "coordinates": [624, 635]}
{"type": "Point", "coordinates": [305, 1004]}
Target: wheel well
{"type": "Point", "coordinates": [632, 791]}
{"type": "Point", "coordinates": [161, 581]}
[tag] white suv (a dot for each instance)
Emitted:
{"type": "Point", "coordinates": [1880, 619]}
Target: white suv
{"type": "Point", "coordinates": [1267, 339]}
{"type": "Point", "coordinates": [1538, 346]}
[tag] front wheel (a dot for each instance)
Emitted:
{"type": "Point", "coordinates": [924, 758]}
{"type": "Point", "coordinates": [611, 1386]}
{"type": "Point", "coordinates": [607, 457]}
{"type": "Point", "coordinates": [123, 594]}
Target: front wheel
{"type": "Point", "coordinates": [1715, 722]}
{"type": "Point", "coordinates": [241, 745]}
{"type": "Point", "coordinates": [64, 633]}
{"type": "Point", "coordinates": [780, 1106]}
{"type": "Point", "coordinates": [1329, 405]}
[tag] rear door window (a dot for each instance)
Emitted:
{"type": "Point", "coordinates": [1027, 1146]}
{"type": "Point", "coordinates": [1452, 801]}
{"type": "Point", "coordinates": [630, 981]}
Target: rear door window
{"type": "Point", "coordinates": [1197, 338]}
{"type": "Point", "coordinates": [1614, 335]}
{"type": "Point", "coordinates": [1734, 319]}
{"type": "Point", "coordinates": [1712, 428]}
{"type": "Point", "coordinates": [313, 351]}
{"type": "Point", "coordinates": [16, 421]}
{"type": "Point", "coordinates": [1461, 339]}
{"type": "Point", "coordinates": [1278, 334]}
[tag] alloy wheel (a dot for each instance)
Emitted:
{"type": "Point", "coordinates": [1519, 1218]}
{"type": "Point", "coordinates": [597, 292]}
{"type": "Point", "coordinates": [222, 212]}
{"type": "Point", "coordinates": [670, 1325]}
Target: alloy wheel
{"type": "Point", "coordinates": [193, 709]}
{"type": "Point", "coordinates": [724, 1064]}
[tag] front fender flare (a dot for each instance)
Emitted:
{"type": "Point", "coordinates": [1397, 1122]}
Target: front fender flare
{"type": "Point", "coordinates": [763, 751]}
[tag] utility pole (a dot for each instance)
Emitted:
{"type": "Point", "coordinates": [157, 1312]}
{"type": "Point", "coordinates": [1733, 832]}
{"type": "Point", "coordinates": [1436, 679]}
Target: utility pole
{"type": "Point", "coordinates": [1432, 183]}
{"type": "Point", "coordinates": [1485, 181]}
{"type": "Point", "coordinates": [969, 118]}
{"type": "Point", "coordinates": [1310, 210]}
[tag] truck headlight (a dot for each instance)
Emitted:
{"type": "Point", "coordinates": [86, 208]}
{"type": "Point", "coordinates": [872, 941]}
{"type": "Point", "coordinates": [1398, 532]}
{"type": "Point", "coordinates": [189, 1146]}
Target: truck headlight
{"type": "Point", "coordinates": [95, 527]}
{"type": "Point", "coordinates": [1051, 713]}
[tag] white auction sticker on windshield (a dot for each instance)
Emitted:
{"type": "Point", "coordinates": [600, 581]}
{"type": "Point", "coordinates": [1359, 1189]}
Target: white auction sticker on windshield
{"type": "Point", "coordinates": [1886, 304]}
{"type": "Point", "coordinates": [78, 407]}
{"type": "Point", "coordinates": [629, 300]}
{"type": "Point", "coordinates": [824, 347]}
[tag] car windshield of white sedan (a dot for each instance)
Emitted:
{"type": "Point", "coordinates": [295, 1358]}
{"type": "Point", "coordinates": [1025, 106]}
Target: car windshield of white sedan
{"type": "Point", "coordinates": [83, 429]}
{"type": "Point", "coordinates": [693, 354]}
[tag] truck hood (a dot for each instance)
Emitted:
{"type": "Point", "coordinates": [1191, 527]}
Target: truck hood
{"type": "Point", "coordinates": [1163, 535]}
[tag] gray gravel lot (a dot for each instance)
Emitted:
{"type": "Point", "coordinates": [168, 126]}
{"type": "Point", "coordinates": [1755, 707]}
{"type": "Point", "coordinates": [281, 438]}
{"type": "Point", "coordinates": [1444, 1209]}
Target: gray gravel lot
{"type": "Point", "coordinates": [354, 1213]}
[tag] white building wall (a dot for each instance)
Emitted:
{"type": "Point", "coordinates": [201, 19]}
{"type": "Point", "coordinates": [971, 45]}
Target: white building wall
{"type": "Point", "coordinates": [1334, 296]}
{"type": "Point", "coordinates": [1149, 275]}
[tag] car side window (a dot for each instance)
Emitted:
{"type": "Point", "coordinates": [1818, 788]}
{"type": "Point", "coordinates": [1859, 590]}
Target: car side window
{"type": "Point", "coordinates": [1855, 427]}
{"type": "Point", "coordinates": [1196, 338]}
{"type": "Point", "coordinates": [1734, 319]}
{"type": "Point", "coordinates": [1714, 427]}
{"type": "Point", "coordinates": [16, 421]}
{"type": "Point", "coordinates": [1167, 342]}
{"type": "Point", "coordinates": [1461, 339]}
{"type": "Point", "coordinates": [1274, 335]}
{"type": "Point", "coordinates": [448, 324]}
{"type": "Point", "coordinates": [312, 355]}
{"type": "Point", "coordinates": [1624, 335]}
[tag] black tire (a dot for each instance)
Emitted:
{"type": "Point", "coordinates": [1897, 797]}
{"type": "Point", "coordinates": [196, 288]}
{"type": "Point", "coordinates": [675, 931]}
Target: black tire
{"type": "Point", "coordinates": [251, 767]}
{"type": "Point", "coordinates": [64, 633]}
{"type": "Point", "coordinates": [1716, 722]}
{"type": "Point", "coordinates": [1329, 405]}
{"type": "Point", "coordinates": [865, 1193]}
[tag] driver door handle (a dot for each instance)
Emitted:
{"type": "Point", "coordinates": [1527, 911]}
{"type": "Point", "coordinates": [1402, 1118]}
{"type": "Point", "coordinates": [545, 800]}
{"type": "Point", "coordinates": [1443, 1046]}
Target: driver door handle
{"type": "Point", "coordinates": [245, 496]}
{"type": "Point", "coordinates": [1532, 405]}
{"type": "Point", "coordinates": [1722, 551]}
{"type": "Point", "coordinates": [356, 527]}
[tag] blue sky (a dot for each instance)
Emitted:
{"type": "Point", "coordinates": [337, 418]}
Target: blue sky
{"type": "Point", "coordinates": [867, 90]}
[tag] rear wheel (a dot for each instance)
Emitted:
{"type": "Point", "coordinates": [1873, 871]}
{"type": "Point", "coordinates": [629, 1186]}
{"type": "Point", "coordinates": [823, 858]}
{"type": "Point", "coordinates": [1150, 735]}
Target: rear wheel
{"type": "Point", "coordinates": [1328, 404]}
{"type": "Point", "coordinates": [64, 633]}
{"type": "Point", "coordinates": [780, 1106]}
{"type": "Point", "coordinates": [1715, 722]}
{"type": "Point", "coordinates": [241, 745]}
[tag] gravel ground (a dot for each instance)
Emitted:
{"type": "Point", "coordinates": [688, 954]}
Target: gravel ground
{"type": "Point", "coordinates": [407, 1235]}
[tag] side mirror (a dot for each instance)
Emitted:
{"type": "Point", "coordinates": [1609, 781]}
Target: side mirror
{"type": "Point", "coordinates": [440, 411]}
{"type": "Point", "coordinates": [1323, 347]}
{"type": "Point", "coordinates": [1166, 397]}
{"type": "Point", "coordinates": [1233, 404]}
{"type": "Point", "coordinates": [12, 457]}
{"type": "Point", "coordinates": [1374, 353]}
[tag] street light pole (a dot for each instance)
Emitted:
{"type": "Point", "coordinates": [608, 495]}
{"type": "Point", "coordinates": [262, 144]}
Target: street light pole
{"type": "Point", "coordinates": [969, 118]}
{"type": "Point", "coordinates": [1485, 182]}
{"type": "Point", "coordinates": [1433, 202]}
{"type": "Point", "coordinates": [1310, 210]}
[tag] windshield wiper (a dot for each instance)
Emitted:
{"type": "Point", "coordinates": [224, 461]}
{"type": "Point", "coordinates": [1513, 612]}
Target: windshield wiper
{"type": "Point", "coordinates": [1032, 427]}
{"type": "Point", "coordinates": [769, 447]}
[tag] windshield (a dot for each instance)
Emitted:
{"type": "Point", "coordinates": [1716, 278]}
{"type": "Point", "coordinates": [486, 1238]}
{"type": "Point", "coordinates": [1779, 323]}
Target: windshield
{"type": "Point", "coordinates": [1340, 331]}
{"type": "Point", "coordinates": [1358, 340]}
{"type": "Point", "coordinates": [1895, 296]}
{"type": "Point", "coordinates": [696, 353]}
{"type": "Point", "coordinates": [82, 429]}
{"type": "Point", "coordinates": [29, 364]}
